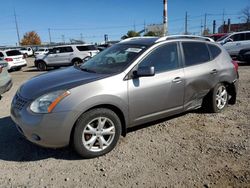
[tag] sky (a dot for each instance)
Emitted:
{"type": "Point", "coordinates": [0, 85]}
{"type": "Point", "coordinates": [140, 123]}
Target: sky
{"type": "Point", "coordinates": [91, 19]}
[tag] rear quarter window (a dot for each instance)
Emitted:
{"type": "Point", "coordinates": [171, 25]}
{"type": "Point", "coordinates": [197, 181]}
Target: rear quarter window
{"type": "Point", "coordinates": [214, 50]}
{"type": "Point", "coordinates": [13, 53]}
{"type": "Point", "coordinates": [86, 48]}
{"type": "Point", "coordinates": [195, 53]}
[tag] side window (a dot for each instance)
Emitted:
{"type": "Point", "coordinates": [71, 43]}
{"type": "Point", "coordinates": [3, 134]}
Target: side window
{"type": "Point", "coordinates": [1, 54]}
{"type": "Point", "coordinates": [164, 58]}
{"type": "Point", "coordinates": [195, 53]}
{"type": "Point", "coordinates": [238, 37]}
{"type": "Point", "coordinates": [214, 50]}
{"type": "Point", "coordinates": [247, 36]}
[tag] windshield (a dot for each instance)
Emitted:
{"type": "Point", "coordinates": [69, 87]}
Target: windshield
{"type": "Point", "coordinates": [114, 59]}
{"type": "Point", "coordinates": [222, 38]}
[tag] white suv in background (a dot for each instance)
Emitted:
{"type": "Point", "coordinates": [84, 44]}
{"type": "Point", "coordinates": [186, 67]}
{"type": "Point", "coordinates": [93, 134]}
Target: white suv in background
{"type": "Point", "coordinates": [27, 51]}
{"type": "Point", "coordinates": [14, 58]}
{"type": "Point", "coordinates": [41, 51]}
{"type": "Point", "coordinates": [65, 55]}
{"type": "Point", "coordinates": [234, 42]}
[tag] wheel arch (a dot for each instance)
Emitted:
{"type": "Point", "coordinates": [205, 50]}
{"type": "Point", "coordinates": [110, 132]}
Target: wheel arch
{"type": "Point", "coordinates": [75, 59]}
{"type": "Point", "coordinates": [114, 108]}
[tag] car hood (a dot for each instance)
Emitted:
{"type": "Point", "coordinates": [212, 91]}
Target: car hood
{"type": "Point", "coordinates": [62, 79]}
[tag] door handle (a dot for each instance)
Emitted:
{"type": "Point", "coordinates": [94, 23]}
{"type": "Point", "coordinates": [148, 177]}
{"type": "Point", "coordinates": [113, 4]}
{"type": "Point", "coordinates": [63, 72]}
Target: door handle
{"type": "Point", "coordinates": [214, 71]}
{"type": "Point", "coordinates": [177, 80]}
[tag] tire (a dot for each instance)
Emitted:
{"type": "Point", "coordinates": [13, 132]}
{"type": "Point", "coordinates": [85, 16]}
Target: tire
{"type": "Point", "coordinates": [18, 68]}
{"type": "Point", "coordinates": [41, 66]}
{"type": "Point", "coordinates": [217, 99]}
{"type": "Point", "coordinates": [92, 138]}
{"type": "Point", "coordinates": [76, 62]}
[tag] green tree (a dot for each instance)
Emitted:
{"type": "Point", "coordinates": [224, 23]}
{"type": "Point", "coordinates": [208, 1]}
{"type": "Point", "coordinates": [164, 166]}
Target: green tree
{"type": "Point", "coordinates": [150, 33]}
{"type": "Point", "coordinates": [31, 38]}
{"type": "Point", "coordinates": [130, 34]}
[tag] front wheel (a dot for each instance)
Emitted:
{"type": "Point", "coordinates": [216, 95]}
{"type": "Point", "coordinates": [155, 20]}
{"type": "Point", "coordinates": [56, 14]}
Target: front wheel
{"type": "Point", "coordinates": [41, 66]}
{"type": "Point", "coordinates": [96, 133]}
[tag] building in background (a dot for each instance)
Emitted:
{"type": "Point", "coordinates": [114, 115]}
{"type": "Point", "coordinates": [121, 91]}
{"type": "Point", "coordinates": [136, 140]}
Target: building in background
{"type": "Point", "coordinates": [234, 27]}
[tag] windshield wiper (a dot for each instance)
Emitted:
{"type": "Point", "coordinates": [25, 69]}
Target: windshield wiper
{"type": "Point", "coordinates": [87, 70]}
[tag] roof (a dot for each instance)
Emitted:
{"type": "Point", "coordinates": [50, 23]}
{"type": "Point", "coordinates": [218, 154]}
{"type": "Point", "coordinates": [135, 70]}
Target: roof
{"type": "Point", "coordinates": [147, 41]}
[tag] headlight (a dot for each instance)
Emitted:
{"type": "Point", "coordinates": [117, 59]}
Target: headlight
{"type": "Point", "coordinates": [47, 102]}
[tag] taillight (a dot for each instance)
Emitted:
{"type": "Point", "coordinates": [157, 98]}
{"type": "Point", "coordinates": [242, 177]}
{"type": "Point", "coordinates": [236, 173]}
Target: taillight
{"type": "Point", "coordinates": [236, 66]}
{"type": "Point", "coordinates": [8, 59]}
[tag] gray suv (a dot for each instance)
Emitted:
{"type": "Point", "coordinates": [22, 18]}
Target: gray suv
{"type": "Point", "coordinates": [136, 81]}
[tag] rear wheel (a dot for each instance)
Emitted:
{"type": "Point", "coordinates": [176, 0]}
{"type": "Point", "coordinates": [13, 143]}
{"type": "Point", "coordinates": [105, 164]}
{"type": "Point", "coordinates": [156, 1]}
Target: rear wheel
{"type": "Point", "coordinates": [96, 133]}
{"type": "Point", "coordinates": [217, 99]}
{"type": "Point", "coordinates": [76, 62]}
{"type": "Point", "coordinates": [41, 66]}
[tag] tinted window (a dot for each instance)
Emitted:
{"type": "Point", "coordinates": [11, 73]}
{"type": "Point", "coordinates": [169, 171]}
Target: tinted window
{"type": "Point", "coordinates": [13, 53]}
{"type": "Point", "coordinates": [86, 48]}
{"type": "Point", "coordinates": [238, 37]}
{"type": "Point", "coordinates": [163, 58]}
{"type": "Point", "coordinates": [247, 36]}
{"type": "Point", "coordinates": [195, 53]}
{"type": "Point", "coordinates": [214, 50]}
{"type": "Point", "coordinates": [65, 49]}
{"type": "Point", "coordinates": [1, 54]}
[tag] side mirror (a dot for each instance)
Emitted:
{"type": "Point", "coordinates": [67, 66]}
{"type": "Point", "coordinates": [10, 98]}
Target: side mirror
{"type": "Point", "coordinates": [144, 72]}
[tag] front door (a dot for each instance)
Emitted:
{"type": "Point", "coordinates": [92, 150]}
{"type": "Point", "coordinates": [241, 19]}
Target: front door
{"type": "Point", "coordinates": [158, 96]}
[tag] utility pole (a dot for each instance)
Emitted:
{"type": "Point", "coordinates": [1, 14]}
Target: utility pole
{"type": "Point", "coordinates": [186, 20]}
{"type": "Point", "coordinates": [49, 36]}
{"type": "Point", "coordinates": [205, 23]}
{"type": "Point", "coordinates": [229, 25]}
{"type": "Point", "coordinates": [17, 30]}
{"type": "Point", "coordinates": [63, 39]}
{"type": "Point", "coordinates": [165, 17]}
{"type": "Point", "coordinates": [201, 27]}
{"type": "Point", "coordinates": [214, 26]}
{"type": "Point", "coordinates": [81, 37]}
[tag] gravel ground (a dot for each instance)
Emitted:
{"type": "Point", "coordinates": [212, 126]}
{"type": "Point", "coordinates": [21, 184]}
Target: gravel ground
{"type": "Point", "coordinates": [192, 150]}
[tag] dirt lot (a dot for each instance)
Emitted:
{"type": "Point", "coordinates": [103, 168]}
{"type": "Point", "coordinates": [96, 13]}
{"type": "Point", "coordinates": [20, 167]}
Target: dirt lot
{"type": "Point", "coordinates": [192, 150]}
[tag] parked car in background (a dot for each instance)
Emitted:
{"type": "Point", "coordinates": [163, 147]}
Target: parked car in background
{"type": "Point", "coordinates": [93, 104]}
{"type": "Point", "coordinates": [65, 55]}
{"type": "Point", "coordinates": [234, 42]}
{"type": "Point", "coordinates": [5, 78]}
{"type": "Point", "coordinates": [216, 36]}
{"type": "Point", "coordinates": [27, 51]}
{"type": "Point", "coordinates": [14, 58]}
{"type": "Point", "coordinates": [244, 55]}
{"type": "Point", "coordinates": [41, 51]}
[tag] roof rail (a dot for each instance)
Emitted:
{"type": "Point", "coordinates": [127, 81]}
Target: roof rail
{"type": "Point", "coordinates": [134, 38]}
{"type": "Point", "coordinates": [172, 37]}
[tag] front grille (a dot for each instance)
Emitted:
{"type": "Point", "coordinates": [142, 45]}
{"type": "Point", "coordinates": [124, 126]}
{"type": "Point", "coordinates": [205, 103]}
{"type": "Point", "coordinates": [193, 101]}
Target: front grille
{"type": "Point", "coordinates": [19, 102]}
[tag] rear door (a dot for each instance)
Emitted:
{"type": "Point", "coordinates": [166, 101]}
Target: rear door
{"type": "Point", "coordinates": [200, 72]}
{"type": "Point", "coordinates": [160, 95]}
{"type": "Point", "coordinates": [65, 55]}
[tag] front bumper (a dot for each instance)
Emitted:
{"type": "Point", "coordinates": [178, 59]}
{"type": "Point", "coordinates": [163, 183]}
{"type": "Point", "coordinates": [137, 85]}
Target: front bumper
{"type": "Point", "coordinates": [6, 87]}
{"type": "Point", "coordinates": [51, 130]}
